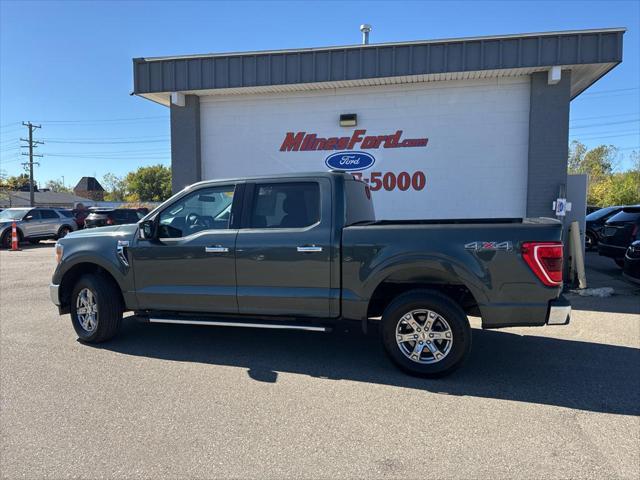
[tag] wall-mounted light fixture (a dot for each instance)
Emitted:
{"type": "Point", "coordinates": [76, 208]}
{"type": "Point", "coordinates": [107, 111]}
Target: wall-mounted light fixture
{"type": "Point", "coordinates": [348, 120]}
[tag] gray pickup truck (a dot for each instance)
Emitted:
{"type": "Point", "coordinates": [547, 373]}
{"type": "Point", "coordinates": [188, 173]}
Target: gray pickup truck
{"type": "Point", "coordinates": [305, 252]}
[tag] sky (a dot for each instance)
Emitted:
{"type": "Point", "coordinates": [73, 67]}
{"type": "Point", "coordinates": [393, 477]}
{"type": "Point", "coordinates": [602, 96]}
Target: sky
{"type": "Point", "coordinates": [67, 65]}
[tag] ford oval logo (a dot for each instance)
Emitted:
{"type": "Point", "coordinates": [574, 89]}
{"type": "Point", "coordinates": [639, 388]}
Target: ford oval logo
{"type": "Point", "coordinates": [350, 161]}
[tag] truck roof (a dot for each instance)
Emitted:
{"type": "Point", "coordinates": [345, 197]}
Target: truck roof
{"type": "Point", "coordinates": [328, 174]}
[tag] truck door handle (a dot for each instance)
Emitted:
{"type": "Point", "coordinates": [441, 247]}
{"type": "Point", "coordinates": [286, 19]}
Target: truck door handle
{"type": "Point", "coordinates": [308, 249]}
{"type": "Point", "coordinates": [216, 249]}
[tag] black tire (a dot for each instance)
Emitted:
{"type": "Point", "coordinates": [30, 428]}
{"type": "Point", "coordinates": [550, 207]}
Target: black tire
{"type": "Point", "coordinates": [442, 306]}
{"type": "Point", "coordinates": [5, 241]}
{"type": "Point", "coordinates": [619, 262]}
{"type": "Point", "coordinates": [63, 231]}
{"type": "Point", "coordinates": [109, 306]}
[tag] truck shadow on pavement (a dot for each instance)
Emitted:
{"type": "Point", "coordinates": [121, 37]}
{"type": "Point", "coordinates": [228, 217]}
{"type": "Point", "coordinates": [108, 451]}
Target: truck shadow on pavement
{"type": "Point", "coordinates": [548, 371]}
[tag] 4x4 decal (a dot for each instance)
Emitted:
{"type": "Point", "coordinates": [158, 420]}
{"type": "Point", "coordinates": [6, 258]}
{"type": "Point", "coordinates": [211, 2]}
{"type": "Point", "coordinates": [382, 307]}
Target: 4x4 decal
{"type": "Point", "coordinates": [483, 246]}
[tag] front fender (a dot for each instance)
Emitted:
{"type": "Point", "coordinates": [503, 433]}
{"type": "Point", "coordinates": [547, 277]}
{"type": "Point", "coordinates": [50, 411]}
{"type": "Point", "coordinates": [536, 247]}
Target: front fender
{"type": "Point", "coordinates": [112, 265]}
{"type": "Point", "coordinates": [95, 250]}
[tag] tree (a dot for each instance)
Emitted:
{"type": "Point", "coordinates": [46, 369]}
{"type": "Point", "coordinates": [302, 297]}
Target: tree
{"type": "Point", "coordinates": [57, 186]}
{"type": "Point", "coordinates": [597, 163]}
{"type": "Point", "coordinates": [606, 186]}
{"type": "Point", "coordinates": [116, 188]}
{"type": "Point", "coordinates": [18, 183]}
{"type": "Point", "coordinates": [149, 184]}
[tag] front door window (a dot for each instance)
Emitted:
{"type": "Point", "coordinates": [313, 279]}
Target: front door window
{"type": "Point", "coordinates": [205, 209]}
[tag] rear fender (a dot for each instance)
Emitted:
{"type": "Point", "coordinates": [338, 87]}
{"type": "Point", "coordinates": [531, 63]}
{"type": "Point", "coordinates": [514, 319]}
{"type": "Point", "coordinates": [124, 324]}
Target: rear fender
{"type": "Point", "coordinates": [416, 269]}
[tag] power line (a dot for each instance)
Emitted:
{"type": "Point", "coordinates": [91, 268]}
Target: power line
{"type": "Point", "coordinates": [106, 157]}
{"type": "Point", "coordinates": [605, 135]}
{"type": "Point", "coordinates": [10, 161]}
{"type": "Point", "coordinates": [49, 139]}
{"type": "Point", "coordinates": [105, 120]}
{"type": "Point", "coordinates": [106, 142]}
{"type": "Point", "coordinates": [613, 90]}
{"type": "Point", "coordinates": [10, 148]}
{"type": "Point", "coordinates": [608, 123]}
{"type": "Point", "coordinates": [98, 152]}
{"type": "Point", "coordinates": [596, 117]}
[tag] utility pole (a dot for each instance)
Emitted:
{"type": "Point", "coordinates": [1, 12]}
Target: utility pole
{"type": "Point", "coordinates": [31, 144]}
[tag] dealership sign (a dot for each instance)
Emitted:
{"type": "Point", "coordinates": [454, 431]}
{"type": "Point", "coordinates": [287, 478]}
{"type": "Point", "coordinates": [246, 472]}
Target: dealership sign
{"type": "Point", "coordinates": [351, 161]}
{"type": "Point", "coordinates": [303, 141]}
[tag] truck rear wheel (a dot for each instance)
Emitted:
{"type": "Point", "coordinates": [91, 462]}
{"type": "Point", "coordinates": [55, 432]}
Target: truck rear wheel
{"type": "Point", "coordinates": [96, 309]}
{"type": "Point", "coordinates": [426, 333]}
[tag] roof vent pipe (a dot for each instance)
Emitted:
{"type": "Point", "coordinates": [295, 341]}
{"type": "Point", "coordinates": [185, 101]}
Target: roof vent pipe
{"type": "Point", "coordinates": [365, 29]}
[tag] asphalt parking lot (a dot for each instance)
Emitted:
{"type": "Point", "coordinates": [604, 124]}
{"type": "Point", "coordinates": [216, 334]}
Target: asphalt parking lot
{"type": "Point", "coordinates": [204, 402]}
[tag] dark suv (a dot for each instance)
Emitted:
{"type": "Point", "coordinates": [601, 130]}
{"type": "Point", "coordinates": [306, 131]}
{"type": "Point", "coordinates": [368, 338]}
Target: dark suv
{"type": "Point", "coordinates": [103, 217]}
{"type": "Point", "coordinates": [595, 224]}
{"type": "Point", "coordinates": [619, 232]}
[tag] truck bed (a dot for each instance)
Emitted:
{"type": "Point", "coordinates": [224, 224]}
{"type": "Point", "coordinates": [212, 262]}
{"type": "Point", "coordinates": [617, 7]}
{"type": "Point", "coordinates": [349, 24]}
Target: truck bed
{"type": "Point", "coordinates": [479, 256]}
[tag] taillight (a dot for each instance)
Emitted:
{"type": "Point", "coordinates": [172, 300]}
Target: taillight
{"type": "Point", "coordinates": [545, 259]}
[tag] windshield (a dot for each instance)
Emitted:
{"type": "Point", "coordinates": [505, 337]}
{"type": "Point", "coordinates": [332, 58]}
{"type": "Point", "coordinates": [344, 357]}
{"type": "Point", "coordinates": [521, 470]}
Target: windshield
{"type": "Point", "coordinates": [12, 214]}
{"type": "Point", "coordinates": [598, 214]}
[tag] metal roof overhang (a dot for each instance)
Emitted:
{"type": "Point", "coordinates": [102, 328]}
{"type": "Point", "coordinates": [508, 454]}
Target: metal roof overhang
{"type": "Point", "coordinates": [589, 54]}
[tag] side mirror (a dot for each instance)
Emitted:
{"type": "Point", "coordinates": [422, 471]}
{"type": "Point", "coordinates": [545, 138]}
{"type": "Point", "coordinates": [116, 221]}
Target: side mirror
{"type": "Point", "coordinates": [147, 230]}
{"type": "Point", "coordinates": [28, 218]}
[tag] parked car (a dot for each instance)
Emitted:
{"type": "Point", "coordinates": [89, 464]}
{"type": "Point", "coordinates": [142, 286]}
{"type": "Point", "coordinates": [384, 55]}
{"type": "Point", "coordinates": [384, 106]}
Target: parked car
{"type": "Point", "coordinates": [100, 217]}
{"type": "Point", "coordinates": [35, 224]}
{"type": "Point", "coordinates": [305, 252]}
{"type": "Point", "coordinates": [620, 231]}
{"type": "Point", "coordinates": [631, 269]}
{"type": "Point", "coordinates": [595, 224]}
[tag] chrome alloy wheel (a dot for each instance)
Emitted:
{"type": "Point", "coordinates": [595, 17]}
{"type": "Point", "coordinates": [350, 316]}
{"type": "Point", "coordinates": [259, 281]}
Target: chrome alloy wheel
{"type": "Point", "coordinates": [87, 310]}
{"type": "Point", "coordinates": [424, 336]}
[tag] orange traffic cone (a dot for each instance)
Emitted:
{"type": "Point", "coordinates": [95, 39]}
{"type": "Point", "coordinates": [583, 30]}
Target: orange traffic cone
{"type": "Point", "coordinates": [14, 237]}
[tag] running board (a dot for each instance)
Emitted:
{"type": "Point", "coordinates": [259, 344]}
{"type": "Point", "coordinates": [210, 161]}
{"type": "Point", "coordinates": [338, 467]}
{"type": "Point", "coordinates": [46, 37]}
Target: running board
{"type": "Point", "coordinates": [218, 323]}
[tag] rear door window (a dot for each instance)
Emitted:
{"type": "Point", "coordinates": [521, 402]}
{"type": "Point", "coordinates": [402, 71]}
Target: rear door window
{"type": "Point", "coordinates": [285, 205]}
{"type": "Point", "coordinates": [49, 214]}
{"type": "Point", "coordinates": [34, 215]}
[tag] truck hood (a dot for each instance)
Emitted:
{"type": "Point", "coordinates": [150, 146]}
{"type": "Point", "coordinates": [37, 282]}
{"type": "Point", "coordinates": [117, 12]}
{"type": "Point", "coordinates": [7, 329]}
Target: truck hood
{"type": "Point", "coordinates": [125, 232]}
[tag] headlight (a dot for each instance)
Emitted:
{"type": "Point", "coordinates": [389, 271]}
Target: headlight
{"type": "Point", "coordinates": [59, 252]}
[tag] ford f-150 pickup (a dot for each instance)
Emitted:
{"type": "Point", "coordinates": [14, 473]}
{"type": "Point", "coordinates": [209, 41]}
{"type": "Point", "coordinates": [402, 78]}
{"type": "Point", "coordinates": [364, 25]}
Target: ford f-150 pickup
{"type": "Point", "coordinates": [304, 251]}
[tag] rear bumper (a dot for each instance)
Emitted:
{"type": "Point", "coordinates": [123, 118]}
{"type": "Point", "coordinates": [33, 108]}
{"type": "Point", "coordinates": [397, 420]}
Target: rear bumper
{"type": "Point", "coordinates": [553, 312]}
{"type": "Point", "coordinates": [559, 311]}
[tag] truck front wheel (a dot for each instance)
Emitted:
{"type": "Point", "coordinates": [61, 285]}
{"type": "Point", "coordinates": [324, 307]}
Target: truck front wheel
{"type": "Point", "coordinates": [426, 333]}
{"type": "Point", "coordinates": [96, 309]}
